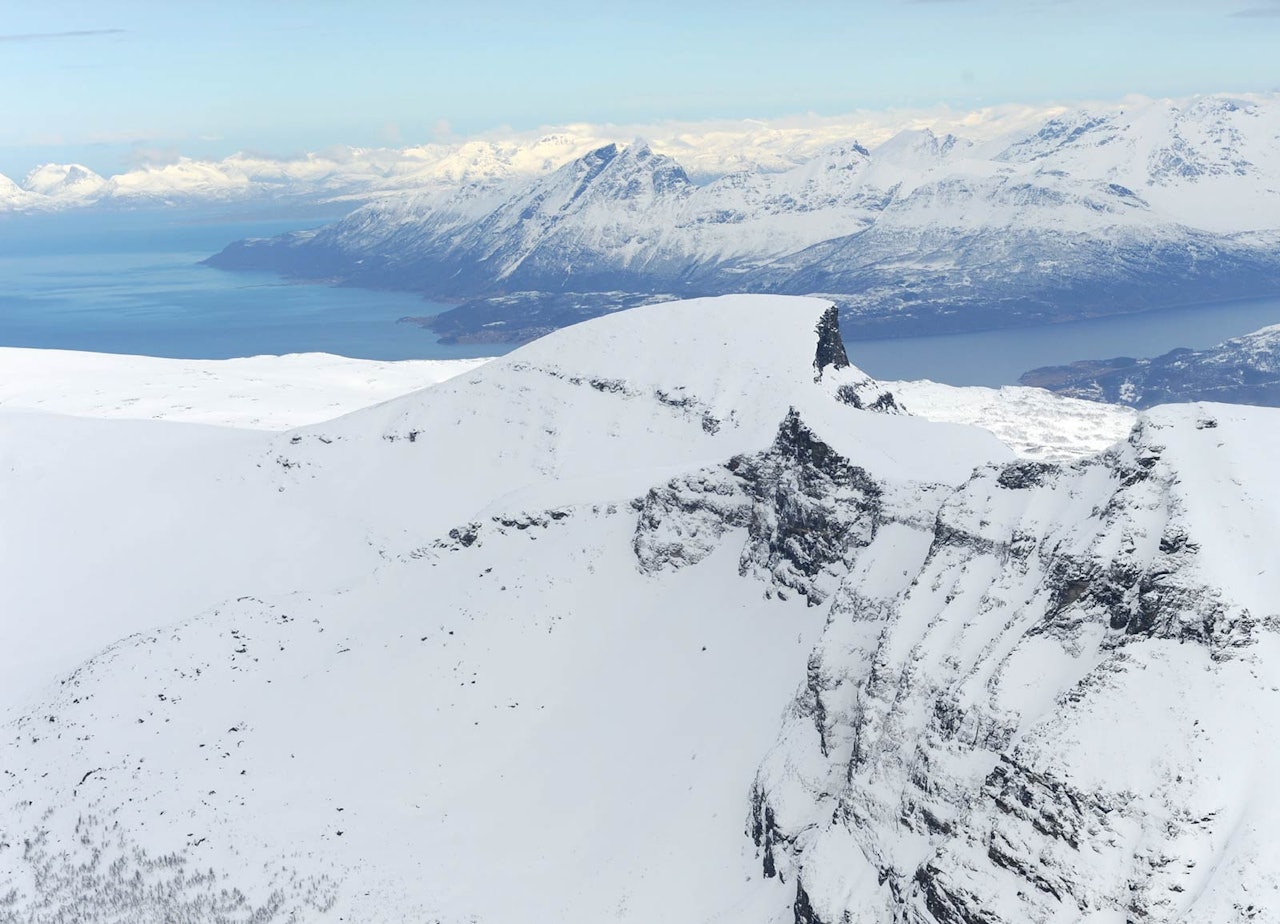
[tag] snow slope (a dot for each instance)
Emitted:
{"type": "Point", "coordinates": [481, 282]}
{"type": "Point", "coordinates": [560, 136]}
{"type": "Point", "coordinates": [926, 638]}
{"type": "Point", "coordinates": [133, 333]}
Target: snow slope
{"type": "Point", "coordinates": [261, 392]}
{"type": "Point", "coordinates": [1034, 423]}
{"type": "Point", "coordinates": [548, 619]}
{"type": "Point", "coordinates": [114, 526]}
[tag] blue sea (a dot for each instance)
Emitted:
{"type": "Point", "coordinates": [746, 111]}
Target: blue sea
{"type": "Point", "coordinates": [999, 357]}
{"type": "Point", "coordinates": [131, 282]}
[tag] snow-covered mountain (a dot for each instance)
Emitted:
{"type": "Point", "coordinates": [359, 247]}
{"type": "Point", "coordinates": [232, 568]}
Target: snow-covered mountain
{"type": "Point", "coordinates": [1089, 213]}
{"type": "Point", "coordinates": [335, 175]}
{"type": "Point", "coordinates": [63, 182]}
{"type": "Point", "coordinates": [671, 616]}
{"type": "Point", "coordinates": [13, 196]}
{"type": "Point", "coordinates": [708, 149]}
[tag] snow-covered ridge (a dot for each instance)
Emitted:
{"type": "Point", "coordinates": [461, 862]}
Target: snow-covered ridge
{"type": "Point", "coordinates": [435, 658]}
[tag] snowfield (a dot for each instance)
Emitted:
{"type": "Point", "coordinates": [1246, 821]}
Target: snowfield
{"type": "Point", "coordinates": [259, 392]}
{"type": "Point", "coordinates": [669, 616]}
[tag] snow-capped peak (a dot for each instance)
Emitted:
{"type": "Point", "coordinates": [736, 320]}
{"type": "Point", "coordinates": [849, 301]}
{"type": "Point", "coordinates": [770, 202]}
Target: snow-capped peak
{"type": "Point", "coordinates": [64, 181]}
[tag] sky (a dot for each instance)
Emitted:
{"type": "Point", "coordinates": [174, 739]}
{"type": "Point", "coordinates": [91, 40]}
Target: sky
{"type": "Point", "coordinates": [114, 84]}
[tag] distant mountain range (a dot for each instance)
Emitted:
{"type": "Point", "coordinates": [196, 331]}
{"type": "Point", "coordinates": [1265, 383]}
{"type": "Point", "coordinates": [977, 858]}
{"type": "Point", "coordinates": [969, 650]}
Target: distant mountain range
{"type": "Point", "coordinates": [1088, 213]}
{"type": "Point", "coordinates": [342, 175]}
{"type": "Point", "coordinates": [1245, 370]}
{"type": "Point", "coordinates": [350, 176]}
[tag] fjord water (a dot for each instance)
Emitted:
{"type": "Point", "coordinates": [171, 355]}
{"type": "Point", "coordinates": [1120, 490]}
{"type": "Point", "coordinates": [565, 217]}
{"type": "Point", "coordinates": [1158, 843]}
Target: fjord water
{"type": "Point", "coordinates": [131, 282]}
{"type": "Point", "coordinates": [999, 357]}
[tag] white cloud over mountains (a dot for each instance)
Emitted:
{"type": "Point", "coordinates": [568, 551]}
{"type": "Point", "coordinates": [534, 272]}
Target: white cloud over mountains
{"type": "Point", "coordinates": [705, 148]}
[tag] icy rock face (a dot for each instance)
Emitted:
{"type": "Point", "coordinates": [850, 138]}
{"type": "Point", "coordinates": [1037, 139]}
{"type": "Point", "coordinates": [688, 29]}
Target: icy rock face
{"type": "Point", "coordinates": [979, 738]}
{"type": "Point", "coordinates": [805, 508]}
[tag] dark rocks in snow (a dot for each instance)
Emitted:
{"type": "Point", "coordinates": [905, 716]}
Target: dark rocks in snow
{"type": "Point", "coordinates": [904, 698]}
{"type": "Point", "coordinates": [1019, 476]}
{"type": "Point", "coordinates": [804, 913]}
{"type": "Point", "coordinates": [884, 402]}
{"type": "Point", "coordinates": [465, 536]}
{"type": "Point", "coordinates": [805, 508]}
{"type": "Point", "coordinates": [946, 902]}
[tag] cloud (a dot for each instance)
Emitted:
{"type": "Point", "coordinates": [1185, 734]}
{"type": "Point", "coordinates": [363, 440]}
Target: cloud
{"type": "Point", "coordinates": [49, 36]}
{"type": "Point", "coordinates": [146, 155]}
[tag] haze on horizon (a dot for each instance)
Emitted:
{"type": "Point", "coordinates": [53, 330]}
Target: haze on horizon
{"type": "Point", "coordinates": [124, 82]}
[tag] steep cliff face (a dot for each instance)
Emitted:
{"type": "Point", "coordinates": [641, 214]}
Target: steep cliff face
{"type": "Point", "coordinates": [806, 510]}
{"type": "Point", "coordinates": [1036, 712]}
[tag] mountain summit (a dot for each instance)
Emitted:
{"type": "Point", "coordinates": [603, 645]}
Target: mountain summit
{"type": "Point", "coordinates": [672, 615]}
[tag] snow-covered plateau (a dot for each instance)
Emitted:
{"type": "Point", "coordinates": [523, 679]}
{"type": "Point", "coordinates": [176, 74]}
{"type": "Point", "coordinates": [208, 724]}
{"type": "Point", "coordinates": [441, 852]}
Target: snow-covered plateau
{"type": "Point", "coordinates": [670, 616]}
{"type": "Point", "coordinates": [1086, 213]}
{"type": "Point", "coordinates": [257, 392]}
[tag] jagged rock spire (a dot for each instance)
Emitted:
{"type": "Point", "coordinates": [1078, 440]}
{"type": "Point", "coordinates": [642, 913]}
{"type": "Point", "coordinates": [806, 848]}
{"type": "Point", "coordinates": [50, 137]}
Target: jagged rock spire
{"type": "Point", "coordinates": [830, 344]}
